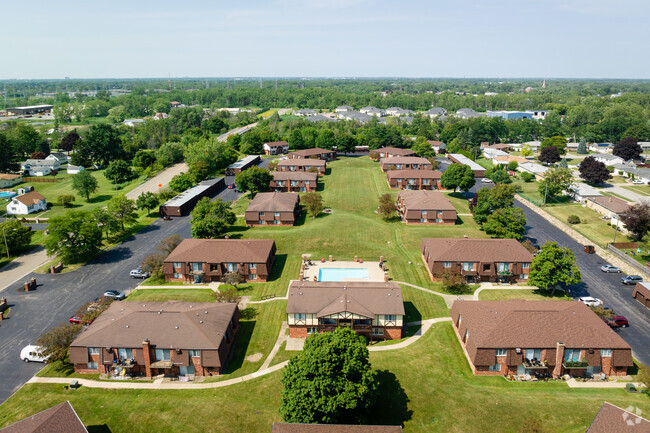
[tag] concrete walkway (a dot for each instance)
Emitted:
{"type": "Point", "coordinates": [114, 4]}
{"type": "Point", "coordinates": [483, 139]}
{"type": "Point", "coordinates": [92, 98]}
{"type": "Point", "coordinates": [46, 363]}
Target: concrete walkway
{"type": "Point", "coordinates": [426, 324]}
{"type": "Point", "coordinates": [282, 337]}
{"type": "Point", "coordinates": [575, 384]}
{"type": "Point", "coordinates": [162, 179]}
{"type": "Point", "coordinates": [489, 286]}
{"type": "Point", "coordinates": [630, 195]}
{"type": "Point", "coordinates": [21, 266]}
{"type": "Point", "coordinates": [449, 299]}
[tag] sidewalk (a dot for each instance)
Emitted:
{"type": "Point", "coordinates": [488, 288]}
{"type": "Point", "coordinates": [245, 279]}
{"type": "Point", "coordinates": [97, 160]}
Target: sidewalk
{"type": "Point", "coordinates": [162, 179]}
{"type": "Point", "coordinates": [575, 384]}
{"type": "Point", "coordinates": [426, 324]}
{"type": "Point", "coordinates": [21, 266]}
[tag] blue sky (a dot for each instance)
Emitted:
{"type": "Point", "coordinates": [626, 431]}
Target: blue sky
{"type": "Point", "coordinates": [332, 38]}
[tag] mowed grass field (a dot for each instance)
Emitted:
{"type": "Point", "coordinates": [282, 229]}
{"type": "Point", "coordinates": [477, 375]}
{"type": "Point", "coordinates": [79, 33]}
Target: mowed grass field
{"type": "Point", "coordinates": [592, 226]}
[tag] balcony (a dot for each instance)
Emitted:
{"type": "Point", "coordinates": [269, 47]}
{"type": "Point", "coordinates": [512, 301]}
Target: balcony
{"type": "Point", "coordinates": [534, 364]}
{"type": "Point", "coordinates": [575, 364]}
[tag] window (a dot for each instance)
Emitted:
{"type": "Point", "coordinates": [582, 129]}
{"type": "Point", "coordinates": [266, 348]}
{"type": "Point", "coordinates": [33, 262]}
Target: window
{"type": "Point", "coordinates": [294, 183]}
{"type": "Point", "coordinates": [260, 222]}
{"type": "Point", "coordinates": [534, 354]}
{"type": "Point", "coordinates": [398, 166]}
{"type": "Point", "coordinates": [425, 181]}
{"type": "Point", "coordinates": [93, 351]}
{"type": "Point", "coordinates": [411, 181]}
{"type": "Point", "coordinates": [195, 353]}
{"type": "Point", "coordinates": [523, 276]}
{"type": "Point", "coordinates": [362, 321]}
{"type": "Point", "coordinates": [178, 275]}
{"type": "Point", "coordinates": [446, 264]}
{"type": "Point", "coordinates": [276, 222]}
{"type": "Point", "coordinates": [227, 338]}
{"type": "Point", "coordinates": [125, 353]}
{"type": "Point", "coordinates": [487, 267]}
{"type": "Point", "coordinates": [377, 331]}
{"type": "Point", "coordinates": [390, 317]}
{"type": "Point", "coordinates": [303, 189]}
{"type": "Point", "coordinates": [231, 267]}
{"type": "Point", "coordinates": [504, 267]}
{"type": "Point", "coordinates": [177, 264]}
{"type": "Point", "coordinates": [252, 276]}
{"type": "Point", "coordinates": [398, 180]}
{"type": "Point", "coordinates": [328, 321]}
{"type": "Point", "coordinates": [501, 352]}
{"type": "Point", "coordinates": [299, 316]}
{"type": "Point", "coordinates": [460, 319]}
{"type": "Point", "coordinates": [606, 353]}
{"type": "Point", "coordinates": [92, 365]}
{"type": "Point", "coordinates": [495, 367]}
{"type": "Point", "coordinates": [312, 330]}
{"type": "Point", "coordinates": [468, 266]}
{"type": "Point", "coordinates": [423, 220]}
{"type": "Point", "coordinates": [252, 266]}
{"type": "Point", "coordinates": [163, 355]}
{"type": "Point", "coordinates": [184, 371]}
{"type": "Point", "coordinates": [280, 183]}
{"type": "Point", "coordinates": [424, 213]}
{"type": "Point", "coordinates": [197, 267]}
{"type": "Point", "coordinates": [438, 220]}
{"type": "Point", "coordinates": [525, 265]}
{"type": "Point", "coordinates": [261, 214]}
{"type": "Point", "coordinates": [276, 214]}
{"type": "Point", "coordinates": [572, 355]}
{"type": "Point", "coordinates": [466, 334]}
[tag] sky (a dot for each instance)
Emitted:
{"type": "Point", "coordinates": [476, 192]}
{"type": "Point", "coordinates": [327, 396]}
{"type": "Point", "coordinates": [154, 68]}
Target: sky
{"type": "Point", "coordinates": [325, 38]}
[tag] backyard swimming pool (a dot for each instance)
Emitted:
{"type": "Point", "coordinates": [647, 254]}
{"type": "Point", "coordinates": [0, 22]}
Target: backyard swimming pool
{"type": "Point", "coordinates": [341, 274]}
{"type": "Point", "coordinates": [7, 194]}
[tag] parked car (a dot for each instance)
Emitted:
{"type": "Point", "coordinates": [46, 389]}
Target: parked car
{"type": "Point", "coordinates": [75, 320]}
{"type": "Point", "coordinates": [610, 269]}
{"type": "Point", "coordinates": [591, 302]}
{"type": "Point", "coordinates": [617, 322]}
{"type": "Point", "coordinates": [231, 186]}
{"type": "Point", "coordinates": [486, 180]}
{"type": "Point", "coordinates": [139, 273]}
{"type": "Point", "coordinates": [32, 353]}
{"type": "Point", "coordinates": [114, 294]}
{"type": "Point", "coordinates": [638, 182]}
{"type": "Point", "coordinates": [631, 279]}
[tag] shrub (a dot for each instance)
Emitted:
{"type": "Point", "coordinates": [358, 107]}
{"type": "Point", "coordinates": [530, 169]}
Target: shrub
{"type": "Point", "coordinates": [455, 283]}
{"type": "Point", "coordinates": [573, 219]}
{"type": "Point", "coordinates": [65, 200]}
{"type": "Point", "coordinates": [527, 177]}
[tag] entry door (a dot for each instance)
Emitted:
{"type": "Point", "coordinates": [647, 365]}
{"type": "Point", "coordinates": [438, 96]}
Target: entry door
{"type": "Point", "coordinates": [345, 323]}
{"type": "Point", "coordinates": [521, 370]}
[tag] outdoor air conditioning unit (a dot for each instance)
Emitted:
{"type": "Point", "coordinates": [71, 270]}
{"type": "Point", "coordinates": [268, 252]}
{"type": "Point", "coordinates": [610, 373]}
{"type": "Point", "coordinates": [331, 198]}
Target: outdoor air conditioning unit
{"type": "Point", "coordinates": [518, 349]}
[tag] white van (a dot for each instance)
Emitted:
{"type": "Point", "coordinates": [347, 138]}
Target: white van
{"type": "Point", "coordinates": [32, 353]}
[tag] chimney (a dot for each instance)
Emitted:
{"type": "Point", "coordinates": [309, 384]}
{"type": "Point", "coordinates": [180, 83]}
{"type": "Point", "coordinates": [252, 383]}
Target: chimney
{"type": "Point", "coordinates": [559, 357]}
{"type": "Point", "coordinates": [146, 350]}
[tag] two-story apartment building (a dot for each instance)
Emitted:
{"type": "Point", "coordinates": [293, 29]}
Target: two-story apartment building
{"type": "Point", "coordinates": [273, 208]}
{"type": "Point", "coordinates": [302, 164]}
{"type": "Point", "coordinates": [373, 309]}
{"type": "Point", "coordinates": [414, 179]}
{"type": "Point", "coordinates": [425, 207]}
{"type": "Point", "coordinates": [518, 337]}
{"type": "Point", "coordinates": [206, 260]}
{"type": "Point", "coordinates": [390, 152]}
{"type": "Point", "coordinates": [27, 203]}
{"type": "Point", "coordinates": [275, 147]}
{"type": "Point", "coordinates": [315, 153]}
{"type": "Point", "coordinates": [294, 181]}
{"type": "Point", "coordinates": [172, 338]}
{"type": "Point", "coordinates": [405, 163]}
{"type": "Point", "coordinates": [478, 260]}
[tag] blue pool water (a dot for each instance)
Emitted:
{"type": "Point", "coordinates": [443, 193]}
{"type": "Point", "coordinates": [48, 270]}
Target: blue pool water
{"type": "Point", "coordinates": [334, 274]}
{"type": "Point", "coordinates": [6, 194]}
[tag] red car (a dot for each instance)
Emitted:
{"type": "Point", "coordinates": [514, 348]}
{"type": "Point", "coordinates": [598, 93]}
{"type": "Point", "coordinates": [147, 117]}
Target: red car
{"type": "Point", "coordinates": [617, 322]}
{"type": "Point", "coordinates": [231, 186]}
{"type": "Point", "coordinates": [75, 320]}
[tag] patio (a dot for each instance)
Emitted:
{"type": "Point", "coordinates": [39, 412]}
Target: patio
{"type": "Point", "coordinates": [375, 272]}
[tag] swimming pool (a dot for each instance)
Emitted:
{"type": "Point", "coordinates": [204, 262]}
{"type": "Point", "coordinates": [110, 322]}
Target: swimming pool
{"type": "Point", "coordinates": [7, 194]}
{"type": "Point", "coordinates": [341, 274]}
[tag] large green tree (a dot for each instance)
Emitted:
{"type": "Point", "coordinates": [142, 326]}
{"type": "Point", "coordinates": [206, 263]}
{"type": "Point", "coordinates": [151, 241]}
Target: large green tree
{"type": "Point", "coordinates": [553, 265]}
{"type": "Point", "coordinates": [255, 180]}
{"type": "Point", "coordinates": [84, 183]}
{"type": "Point", "coordinates": [118, 171]}
{"type": "Point", "coordinates": [458, 176]}
{"type": "Point", "coordinates": [557, 141]}
{"type": "Point", "coordinates": [73, 237]}
{"type": "Point", "coordinates": [506, 223]}
{"type": "Point", "coordinates": [16, 236]}
{"type": "Point", "coordinates": [147, 201]}
{"type": "Point", "coordinates": [556, 182]}
{"type": "Point", "coordinates": [211, 220]}
{"type": "Point", "coordinates": [56, 341]}
{"type": "Point", "coordinates": [216, 154]}
{"type": "Point", "coordinates": [123, 210]}
{"type": "Point", "coordinates": [487, 200]}
{"type": "Point", "coordinates": [7, 155]}
{"type": "Point", "coordinates": [313, 203]}
{"type": "Point", "coordinates": [102, 144]}
{"type": "Point", "coordinates": [330, 382]}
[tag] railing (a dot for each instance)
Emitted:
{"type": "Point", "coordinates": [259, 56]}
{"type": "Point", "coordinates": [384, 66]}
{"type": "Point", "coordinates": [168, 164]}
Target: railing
{"type": "Point", "coordinates": [265, 297]}
{"type": "Point", "coordinates": [533, 363]}
{"type": "Point", "coordinates": [575, 364]}
{"type": "Point", "coordinates": [643, 270]}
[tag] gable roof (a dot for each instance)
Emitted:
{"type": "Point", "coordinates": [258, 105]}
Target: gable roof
{"type": "Point", "coordinates": [305, 153]}
{"type": "Point", "coordinates": [321, 118]}
{"type": "Point", "coordinates": [170, 325]}
{"type": "Point", "coordinates": [404, 160]}
{"type": "Point", "coordinates": [7, 176]}
{"type": "Point", "coordinates": [222, 251]}
{"type": "Point", "coordinates": [276, 143]}
{"type": "Point", "coordinates": [413, 174]}
{"type": "Point", "coordinates": [476, 250]}
{"type": "Point", "coordinates": [274, 202]}
{"type": "Point", "coordinates": [584, 190]}
{"type": "Point", "coordinates": [425, 200]}
{"type": "Point", "coordinates": [294, 175]}
{"type": "Point", "coordinates": [612, 419]}
{"type": "Point", "coordinates": [58, 419]}
{"type": "Point", "coordinates": [41, 162]}
{"type": "Point", "coordinates": [611, 203]}
{"type": "Point", "coordinates": [30, 198]}
{"type": "Point", "coordinates": [395, 151]}
{"type": "Point", "coordinates": [302, 161]}
{"type": "Point", "coordinates": [364, 298]}
{"type": "Point", "coordinates": [333, 428]}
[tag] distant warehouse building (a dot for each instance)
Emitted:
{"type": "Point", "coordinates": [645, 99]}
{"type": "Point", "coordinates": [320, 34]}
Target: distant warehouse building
{"type": "Point", "coordinates": [242, 164]}
{"type": "Point", "coordinates": [185, 201]}
{"type": "Point", "coordinates": [31, 109]}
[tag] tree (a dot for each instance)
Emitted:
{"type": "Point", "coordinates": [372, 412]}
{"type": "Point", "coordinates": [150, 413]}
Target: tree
{"type": "Point", "coordinates": [454, 283]}
{"type": "Point", "coordinates": [69, 141]}
{"type": "Point", "coordinates": [106, 221]}
{"type": "Point", "coordinates": [594, 172]}
{"type": "Point", "coordinates": [38, 155]}
{"type": "Point", "coordinates": [233, 278]}
{"type": "Point", "coordinates": [117, 114]}
{"type": "Point", "coordinates": [17, 236]}
{"type": "Point", "coordinates": [553, 265]}
{"type": "Point", "coordinates": [65, 200]}
{"type": "Point", "coordinates": [330, 382]}
{"type": "Point", "coordinates": [487, 200]}
{"type": "Point", "coordinates": [147, 201]}
{"type": "Point", "coordinates": [498, 175]}
{"type": "Point", "coordinates": [506, 223]}
{"type": "Point", "coordinates": [73, 237]}
{"type": "Point", "coordinates": [313, 202]}
{"type": "Point", "coordinates": [211, 220]}
{"type": "Point", "coordinates": [458, 176]}
{"type": "Point", "coordinates": [56, 341]}
{"type": "Point", "coordinates": [7, 155]}
{"type": "Point", "coordinates": [326, 139]}
{"type": "Point", "coordinates": [169, 244]}
{"type": "Point", "coordinates": [181, 182]}
{"type": "Point", "coordinates": [526, 150]}
{"type": "Point", "coordinates": [199, 171]}
{"type": "Point", "coordinates": [628, 148]}
{"type": "Point", "coordinates": [527, 177]}
{"type": "Point", "coordinates": [556, 181]}
{"type": "Point", "coordinates": [386, 206]}
{"type": "Point", "coordinates": [153, 263]}
{"type": "Point", "coordinates": [255, 180]}
{"type": "Point", "coordinates": [557, 141]}
{"type": "Point", "coordinates": [549, 155]}
{"type": "Point", "coordinates": [122, 209]}
{"type": "Point", "coordinates": [102, 144]}
{"type": "Point", "coordinates": [582, 147]}
{"type": "Point", "coordinates": [637, 220]}
{"type": "Point", "coordinates": [423, 148]}
{"type": "Point", "coordinates": [144, 158]}
{"type": "Point", "coordinates": [513, 165]}
{"type": "Point", "coordinates": [118, 171]}
{"type": "Point", "coordinates": [84, 183]}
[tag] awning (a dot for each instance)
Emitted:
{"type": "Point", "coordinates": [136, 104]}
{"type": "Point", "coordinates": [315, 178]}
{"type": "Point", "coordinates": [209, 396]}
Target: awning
{"type": "Point", "coordinates": [162, 364]}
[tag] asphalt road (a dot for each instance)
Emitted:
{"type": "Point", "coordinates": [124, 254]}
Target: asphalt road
{"type": "Point", "coordinates": [607, 287]}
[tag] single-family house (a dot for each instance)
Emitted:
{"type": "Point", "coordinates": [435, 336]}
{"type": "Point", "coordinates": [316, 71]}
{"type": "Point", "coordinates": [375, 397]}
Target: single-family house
{"type": "Point", "coordinates": [500, 146]}
{"type": "Point", "coordinates": [294, 181]}
{"type": "Point", "coordinates": [372, 111]}
{"type": "Point", "coordinates": [207, 260]}
{"type": "Point", "coordinates": [610, 207]}
{"type": "Point", "coordinates": [27, 203]}
{"type": "Point", "coordinates": [133, 122]}
{"type": "Point", "coordinates": [457, 158]}
{"type": "Point", "coordinates": [60, 418]}
{"type": "Point", "coordinates": [160, 116]}
{"type": "Point", "coordinates": [171, 338]}
{"type": "Point", "coordinates": [30, 164]}
{"type": "Point", "coordinates": [610, 419]}
{"type": "Point", "coordinates": [601, 147]}
{"type": "Point", "coordinates": [425, 207]}
{"type": "Point", "coordinates": [273, 208]}
{"type": "Point", "coordinates": [551, 338]}
{"type": "Point", "coordinates": [534, 145]}
{"type": "Point", "coordinates": [304, 164]}
{"type": "Point", "coordinates": [74, 169]}
{"type": "Point", "coordinates": [468, 113]}
{"type": "Point", "coordinates": [333, 428]}
{"type": "Point", "coordinates": [390, 152]}
{"type": "Point", "coordinates": [358, 117]}
{"type": "Point", "coordinates": [510, 115]}
{"type": "Point", "coordinates": [343, 108]}
{"type": "Point", "coordinates": [275, 147]}
{"type": "Point", "coordinates": [372, 309]}
{"type": "Point", "coordinates": [414, 179]}
{"type": "Point", "coordinates": [438, 146]}
{"type": "Point", "coordinates": [320, 118]}
{"type": "Point", "coordinates": [491, 153]}
{"type": "Point", "coordinates": [642, 293]}
{"type": "Point", "coordinates": [580, 192]}
{"type": "Point", "coordinates": [315, 153]}
{"type": "Point", "coordinates": [8, 180]}
{"type": "Point", "coordinates": [478, 260]}
{"type": "Point", "coordinates": [608, 158]}
{"type": "Point", "coordinates": [533, 168]}
{"type": "Point", "coordinates": [436, 112]}
{"type": "Point", "coordinates": [506, 159]}
{"type": "Point", "coordinates": [404, 163]}
{"type": "Point", "coordinates": [305, 112]}
{"type": "Point", "coordinates": [59, 156]}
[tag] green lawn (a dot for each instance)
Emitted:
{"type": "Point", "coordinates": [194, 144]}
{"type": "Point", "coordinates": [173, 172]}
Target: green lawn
{"type": "Point", "coordinates": [527, 294]}
{"type": "Point", "coordinates": [428, 386]}
{"type": "Point", "coordinates": [161, 295]}
{"type": "Point", "coordinates": [37, 239]}
{"type": "Point", "coordinates": [591, 226]}
{"type": "Point", "coordinates": [420, 305]}
{"type": "Point", "coordinates": [640, 189]}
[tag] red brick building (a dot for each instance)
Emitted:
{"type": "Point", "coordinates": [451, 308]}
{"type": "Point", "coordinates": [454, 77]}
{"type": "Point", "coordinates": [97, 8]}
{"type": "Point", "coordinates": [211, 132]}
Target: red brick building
{"type": "Point", "coordinates": [425, 207]}
{"type": "Point", "coordinates": [61, 418]}
{"type": "Point", "coordinates": [173, 338]}
{"type": "Point", "coordinates": [275, 148]}
{"type": "Point", "coordinates": [273, 208]}
{"type": "Point", "coordinates": [375, 310]}
{"type": "Point", "coordinates": [304, 164]}
{"type": "Point", "coordinates": [390, 152]}
{"type": "Point", "coordinates": [294, 181]}
{"type": "Point", "coordinates": [414, 179]}
{"type": "Point", "coordinates": [206, 260]}
{"type": "Point", "coordinates": [478, 260]}
{"type": "Point", "coordinates": [553, 338]}
{"type": "Point", "coordinates": [613, 419]}
{"type": "Point", "coordinates": [405, 163]}
{"type": "Point", "coordinates": [315, 153]}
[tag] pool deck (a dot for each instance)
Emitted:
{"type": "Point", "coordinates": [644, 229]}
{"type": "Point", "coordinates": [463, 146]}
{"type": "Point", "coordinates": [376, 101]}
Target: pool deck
{"type": "Point", "coordinates": [374, 271]}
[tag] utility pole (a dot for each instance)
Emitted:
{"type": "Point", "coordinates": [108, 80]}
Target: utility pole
{"type": "Point", "coordinates": [545, 192]}
{"type": "Point", "coordinates": [6, 246]}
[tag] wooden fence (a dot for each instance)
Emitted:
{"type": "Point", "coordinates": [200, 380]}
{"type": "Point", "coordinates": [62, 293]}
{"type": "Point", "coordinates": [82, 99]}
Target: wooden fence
{"type": "Point", "coordinates": [40, 179]}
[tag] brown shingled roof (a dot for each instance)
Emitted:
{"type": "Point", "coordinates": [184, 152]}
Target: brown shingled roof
{"type": "Point", "coordinates": [612, 203]}
{"type": "Point", "coordinates": [425, 200]}
{"type": "Point", "coordinates": [476, 250]}
{"type": "Point", "coordinates": [58, 419]}
{"type": "Point", "coordinates": [404, 160]}
{"type": "Point", "coordinates": [306, 153]}
{"type": "Point", "coordinates": [171, 324]}
{"type": "Point", "coordinates": [394, 151]}
{"type": "Point", "coordinates": [7, 176]}
{"type": "Point", "coordinates": [277, 143]}
{"type": "Point", "coordinates": [333, 428]}
{"type": "Point", "coordinates": [274, 202]}
{"type": "Point", "coordinates": [613, 419]}
{"type": "Point", "coordinates": [414, 174]}
{"type": "Point", "coordinates": [302, 161]}
{"type": "Point", "coordinates": [30, 198]}
{"type": "Point", "coordinates": [364, 298]}
{"type": "Point", "coordinates": [295, 175]}
{"type": "Point", "coordinates": [222, 251]}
